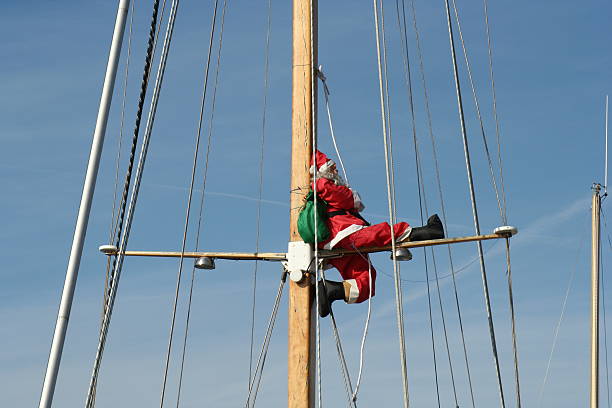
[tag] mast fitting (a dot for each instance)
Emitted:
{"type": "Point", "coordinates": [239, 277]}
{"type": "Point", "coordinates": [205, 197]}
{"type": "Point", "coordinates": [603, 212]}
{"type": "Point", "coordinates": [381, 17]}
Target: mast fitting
{"type": "Point", "coordinates": [299, 260]}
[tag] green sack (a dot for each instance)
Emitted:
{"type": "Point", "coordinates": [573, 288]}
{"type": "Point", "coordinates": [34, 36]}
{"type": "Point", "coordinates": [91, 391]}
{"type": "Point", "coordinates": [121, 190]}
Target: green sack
{"type": "Point", "coordinates": [307, 220]}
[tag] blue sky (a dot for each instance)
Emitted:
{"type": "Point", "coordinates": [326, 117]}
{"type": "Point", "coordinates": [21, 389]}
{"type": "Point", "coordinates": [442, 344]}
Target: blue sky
{"type": "Point", "coordinates": [552, 70]}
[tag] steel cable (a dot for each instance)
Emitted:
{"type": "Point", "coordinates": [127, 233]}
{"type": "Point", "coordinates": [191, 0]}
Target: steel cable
{"type": "Point", "coordinates": [198, 230]}
{"type": "Point", "coordinates": [187, 214]}
{"type": "Point", "coordinates": [261, 360]}
{"type": "Point", "coordinates": [423, 203]}
{"type": "Point", "coordinates": [440, 194]}
{"type": "Point", "coordinates": [474, 206]}
{"type": "Point", "coordinates": [261, 168]}
{"type": "Point", "coordinates": [109, 299]}
{"type": "Point", "coordinates": [398, 290]}
{"type": "Point", "coordinates": [494, 94]}
{"type": "Point", "coordinates": [479, 116]}
{"type": "Point", "coordinates": [500, 202]}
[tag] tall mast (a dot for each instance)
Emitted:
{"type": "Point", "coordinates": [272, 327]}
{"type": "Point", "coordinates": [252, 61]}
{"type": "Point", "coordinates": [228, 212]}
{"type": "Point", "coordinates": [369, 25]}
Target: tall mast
{"type": "Point", "coordinates": [595, 240]}
{"type": "Point", "coordinates": [301, 331]}
{"type": "Point", "coordinates": [91, 175]}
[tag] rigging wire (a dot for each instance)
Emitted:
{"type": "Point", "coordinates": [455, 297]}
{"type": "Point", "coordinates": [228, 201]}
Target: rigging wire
{"type": "Point", "coordinates": [188, 211]}
{"type": "Point", "coordinates": [561, 316]}
{"type": "Point", "coordinates": [497, 127]}
{"type": "Point", "coordinates": [502, 206]}
{"type": "Point", "coordinates": [261, 360]}
{"type": "Point", "coordinates": [114, 279]}
{"type": "Point", "coordinates": [313, 122]}
{"type": "Point", "coordinates": [261, 168]}
{"type": "Point", "coordinates": [113, 223]}
{"type": "Point", "coordinates": [112, 228]}
{"type": "Point", "coordinates": [448, 275]}
{"type": "Point", "coordinates": [474, 207]}
{"type": "Point", "coordinates": [343, 365]}
{"type": "Point", "coordinates": [440, 193]}
{"type": "Point", "coordinates": [197, 240]}
{"type": "Point", "coordinates": [398, 291]}
{"type": "Point", "coordinates": [423, 203]}
{"type": "Point", "coordinates": [479, 115]}
{"type": "Point", "coordinates": [513, 321]}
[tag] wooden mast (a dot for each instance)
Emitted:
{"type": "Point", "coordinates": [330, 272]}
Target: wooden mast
{"type": "Point", "coordinates": [595, 240]}
{"type": "Point", "coordinates": [301, 333]}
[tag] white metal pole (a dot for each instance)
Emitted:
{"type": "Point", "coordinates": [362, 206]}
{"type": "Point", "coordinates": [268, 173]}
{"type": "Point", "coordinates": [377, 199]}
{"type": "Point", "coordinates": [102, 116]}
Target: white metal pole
{"type": "Point", "coordinates": [606, 158]}
{"type": "Point", "coordinates": [74, 261]}
{"type": "Point", "coordinates": [595, 239]}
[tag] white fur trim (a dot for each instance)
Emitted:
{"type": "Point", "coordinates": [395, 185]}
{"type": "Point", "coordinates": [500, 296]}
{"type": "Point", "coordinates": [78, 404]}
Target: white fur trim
{"type": "Point", "coordinates": [405, 236]}
{"type": "Point", "coordinates": [343, 234]}
{"type": "Point", "coordinates": [354, 291]}
{"type": "Point", "coordinates": [326, 166]}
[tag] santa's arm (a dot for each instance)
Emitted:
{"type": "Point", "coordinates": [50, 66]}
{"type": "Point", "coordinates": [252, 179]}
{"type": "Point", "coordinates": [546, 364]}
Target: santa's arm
{"type": "Point", "coordinates": [338, 196]}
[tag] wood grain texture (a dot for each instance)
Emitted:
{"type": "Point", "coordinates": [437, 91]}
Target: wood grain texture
{"type": "Point", "coordinates": [301, 335]}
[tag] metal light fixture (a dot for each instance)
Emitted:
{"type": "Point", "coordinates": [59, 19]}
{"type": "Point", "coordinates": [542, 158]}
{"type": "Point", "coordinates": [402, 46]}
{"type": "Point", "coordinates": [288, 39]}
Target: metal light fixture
{"type": "Point", "coordinates": [205, 262]}
{"type": "Point", "coordinates": [402, 254]}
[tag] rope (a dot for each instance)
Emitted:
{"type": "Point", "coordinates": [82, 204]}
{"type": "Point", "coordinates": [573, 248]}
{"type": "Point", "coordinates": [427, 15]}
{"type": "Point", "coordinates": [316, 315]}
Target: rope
{"type": "Point", "coordinates": [474, 207]}
{"type": "Point", "coordinates": [114, 278]}
{"type": "Point", "coordinates": [326, 93]}
{"type": "Point", "coordinates": [193, 270]}
{"type": "Point", "coordinates": [261, 360]}
{"type": "Point", "coordinates": [352, 395]}
{"type": "Point", "coordinates": [343, 365]}
{"type": "Point", "coordinates": [398, 291]}
{"type": "Point", "coordinates": [261, 164]}
{"type": "Point", "coordinates": [187, 217]}
{"type": "Point", "coordinates": [365, 329]}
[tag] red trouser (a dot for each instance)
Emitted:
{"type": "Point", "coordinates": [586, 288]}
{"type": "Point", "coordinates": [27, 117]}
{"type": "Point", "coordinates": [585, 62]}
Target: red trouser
{"type": "Point", "coordinates": [357, 266]}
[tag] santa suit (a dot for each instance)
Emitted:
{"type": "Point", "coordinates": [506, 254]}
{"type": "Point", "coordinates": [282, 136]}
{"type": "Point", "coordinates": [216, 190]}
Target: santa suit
{"type": "Point", "coordinates": [349, 231]}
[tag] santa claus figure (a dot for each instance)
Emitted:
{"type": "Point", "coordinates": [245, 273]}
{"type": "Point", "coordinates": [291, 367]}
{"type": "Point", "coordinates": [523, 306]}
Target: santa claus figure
{"type": "Point", "coordinates": [349, 230]}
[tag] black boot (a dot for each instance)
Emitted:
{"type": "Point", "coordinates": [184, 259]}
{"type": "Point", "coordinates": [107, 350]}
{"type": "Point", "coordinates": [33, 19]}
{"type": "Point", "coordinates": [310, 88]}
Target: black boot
{"type": "Point", "coordinates": [328, 293]}
{"type": "Point", "coordinates": [433, 230]}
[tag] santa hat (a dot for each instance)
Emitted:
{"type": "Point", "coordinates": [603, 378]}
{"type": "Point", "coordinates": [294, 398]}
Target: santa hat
{"type": "Point", "coordinates": [322, 161]}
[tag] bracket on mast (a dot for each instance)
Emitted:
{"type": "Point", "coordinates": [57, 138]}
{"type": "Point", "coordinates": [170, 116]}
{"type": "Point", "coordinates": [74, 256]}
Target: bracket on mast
{"type": "Point", "coordinates": [299, 260]}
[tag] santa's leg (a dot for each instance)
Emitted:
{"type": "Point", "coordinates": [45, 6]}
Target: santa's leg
{"type": "Point", "coordinates": [359, 276]}
{"type": "Point", "coordinates": [376, 235]}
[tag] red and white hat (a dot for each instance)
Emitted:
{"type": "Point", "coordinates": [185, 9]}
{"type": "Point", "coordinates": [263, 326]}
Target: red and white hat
{"type": "Point", "coordinates": [322, 161]}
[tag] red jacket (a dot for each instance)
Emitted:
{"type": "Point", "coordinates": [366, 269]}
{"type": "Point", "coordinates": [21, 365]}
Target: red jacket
{"type": "Point", "coordinates": [340, 198]}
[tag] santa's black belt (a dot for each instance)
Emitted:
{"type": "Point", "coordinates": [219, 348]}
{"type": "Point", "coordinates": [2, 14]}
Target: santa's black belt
{"type": "Point", "coordinates": [346, 212]}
